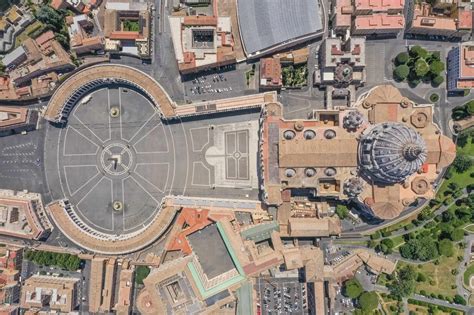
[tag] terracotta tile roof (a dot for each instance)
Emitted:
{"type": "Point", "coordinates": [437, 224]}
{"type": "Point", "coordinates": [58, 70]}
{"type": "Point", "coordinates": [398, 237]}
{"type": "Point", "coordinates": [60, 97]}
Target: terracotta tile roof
{"type": "Point", "coordinates": [124, 35]}
{"type": "Point", "coordinates": [200, 20]}
{"type": "Point", "coordinates": [465, 19]}
{"type": "Point", "coordinates": [56, 4]}
{"type": "Point", "coordinates": [379, 5]}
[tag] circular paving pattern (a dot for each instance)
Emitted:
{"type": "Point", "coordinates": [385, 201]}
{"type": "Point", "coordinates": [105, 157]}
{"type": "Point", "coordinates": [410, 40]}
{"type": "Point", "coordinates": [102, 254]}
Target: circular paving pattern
{"type": "Point", "coordinates": [104, 160]}
{"type": "Point", "coordinates": [116, 159]}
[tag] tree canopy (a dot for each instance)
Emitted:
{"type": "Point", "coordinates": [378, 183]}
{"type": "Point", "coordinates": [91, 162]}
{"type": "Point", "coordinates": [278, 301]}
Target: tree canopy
{"type": "Point", "coordinates": [436, 67]}
{"type": "Point", "coordinates": [462, 163]}
{"type": "Point", "coordinates": [404, 283]}
{"type": "Point", "coordinates": [401, 72]}
{"type": "Point", "coordinates": [141, 273]}
{"type": "Point", "coordinates": [421, 67]}
{"type": "Point", "coordinates": [352, 288]}
{"type": "Point", "coordinates": [368, 301]}
{"type": "Point", "coordinates": [402, 58]}
{"type": "Point", "coordinates": [342, 211]}
{"type": "Point", "coordinates": [437, 80]}
{"type": "Point", "coordinates": [418, 52]}
{"type": "Point", "coordinates": [61, 260]}
{"type": "Point", "coordinates": [423, 249]}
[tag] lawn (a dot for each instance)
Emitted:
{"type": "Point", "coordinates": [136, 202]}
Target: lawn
{"type": "Point", "coordinates": [439, 275]}
{"type": "Point", "coordinates": [27, 32]}
{"type": "Point", "coordinates": [398, 241]}
{"type": "Point", "coordinates": [468, 273]}
{"type": "Point", "coordinates": [294, 76]}
{"type": "Point", "coordinates": [470, 228]}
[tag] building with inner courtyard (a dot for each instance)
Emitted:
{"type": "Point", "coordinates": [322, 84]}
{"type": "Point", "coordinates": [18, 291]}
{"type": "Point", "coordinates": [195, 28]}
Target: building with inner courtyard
{"type": "Point", "coordinates": [22, 215]}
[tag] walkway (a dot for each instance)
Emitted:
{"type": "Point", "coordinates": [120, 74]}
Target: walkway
{"type": "Point", "coordinates": [462, 291]}
{"type": "Point", "coordinates": [465, 308]}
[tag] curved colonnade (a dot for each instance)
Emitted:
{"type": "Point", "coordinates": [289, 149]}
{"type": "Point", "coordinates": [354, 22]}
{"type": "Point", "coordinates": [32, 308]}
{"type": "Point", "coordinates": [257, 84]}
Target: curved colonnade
{"type": "Point", "coordinates": [66, 96]}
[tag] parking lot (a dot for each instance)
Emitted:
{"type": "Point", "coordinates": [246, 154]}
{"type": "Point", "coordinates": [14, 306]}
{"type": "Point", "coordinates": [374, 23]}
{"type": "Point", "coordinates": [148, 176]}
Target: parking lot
{"type": "Point", "coordinates": [228, 81]}
{"type": "Point", "coordinates": [335, 254]}
{"type": "Point", "coordinates": [282, 296]}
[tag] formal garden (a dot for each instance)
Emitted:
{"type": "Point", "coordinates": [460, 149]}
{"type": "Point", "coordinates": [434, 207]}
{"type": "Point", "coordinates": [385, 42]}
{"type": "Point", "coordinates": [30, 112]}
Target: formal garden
{"type": "Point", "coordinates": [294, 76]}
{"type": "Point", "coordinates": [418, 65]}
{"type": "Point", "coordinates": [131, 26]}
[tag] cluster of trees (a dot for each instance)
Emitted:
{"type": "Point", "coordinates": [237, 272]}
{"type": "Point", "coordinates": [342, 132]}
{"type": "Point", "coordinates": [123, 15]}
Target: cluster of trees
{"type": "Point", "coordinates": [463, 111]}
{"type": "Point", "coordinates": [403, 282]}
{"type": "Point", "coordinates": [367, 301]}
{"type": "Point", "coordinates": [55, 21]}
{"type": "Point", "coordinates": [438, 236]}
{"type": "Point", "coordinates": [419, 65]}
{"type": "Point", "coordinates": [462, 163]}
{"type": "Point", "coordinates": [424, 248]}
{"type": "Point", "coordinates": [61, 260]}
{"type": "Point", "coordinates": [433, 309]}
{"type": "Point", "coordinates": [385, 246]}
{"type": "Point", "coordinates": [294, 76]}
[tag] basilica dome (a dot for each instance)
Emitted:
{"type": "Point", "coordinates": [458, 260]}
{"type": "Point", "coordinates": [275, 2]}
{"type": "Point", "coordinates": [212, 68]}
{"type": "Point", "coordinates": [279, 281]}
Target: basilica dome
{"type": "Point", "coordinates": [391, 152]}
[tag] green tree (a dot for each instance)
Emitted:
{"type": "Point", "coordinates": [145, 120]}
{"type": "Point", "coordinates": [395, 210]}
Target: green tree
{"type": "Point", "coordinates": [50, 17]}
{"type": "Point", "coordinates": [421, 277]}
{"type": "Point", "coordinates": [375, 235]}
{"type": "Point", "coordinates": [418, 52]}
{"type": "Point", "coordinates": [386, 246]}
{"type": "Point", "coordinates": [436, 67]}
{"type": "Point", "coordinates": [459, 300]}
{"type": "Point", "coordinates": [462, 163]}
{"type": "Point", "coordinates": [459, 112]}
{"type": "Point", "coordinates": [421, 68]}
{"type": "Point", "coordinates": [446, 248]}
{"type": "Point", "coordinates": [401, 72]}
{"type": "Point", "coordinates": [404, 282]}
{"type": "Point", "coordinates": [423, 249]}
{"type": "Point", "coordinates": [368, 301]}
{"type": "Point", "coordinates": [342, 211]}
{"type": "Point", "coordinates": [352, 288]}
{"type": "Point", "coordinates": [470, 107]}
{"type": "Point", "coordinates": [437, 80]}
{"type": "Point", "coordinates": [141, 273]}
{"type": "Point", "coordinates": [402, 58]}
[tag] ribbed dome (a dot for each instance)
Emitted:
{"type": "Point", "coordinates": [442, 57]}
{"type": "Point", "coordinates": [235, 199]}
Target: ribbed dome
{"type": "Point", "coordinates": [391, 152]}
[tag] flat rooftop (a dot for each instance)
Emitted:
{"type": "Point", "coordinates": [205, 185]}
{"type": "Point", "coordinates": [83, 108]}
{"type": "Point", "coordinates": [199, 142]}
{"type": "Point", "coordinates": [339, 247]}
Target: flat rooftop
{"type": "Point", "coordinates": [267, 23]}
{"type": "Point", "coordinates": [211, 251]}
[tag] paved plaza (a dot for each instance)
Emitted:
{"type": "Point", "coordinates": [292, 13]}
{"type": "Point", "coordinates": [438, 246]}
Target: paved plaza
{"type": "Point", "coordinates": [114, 151]}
